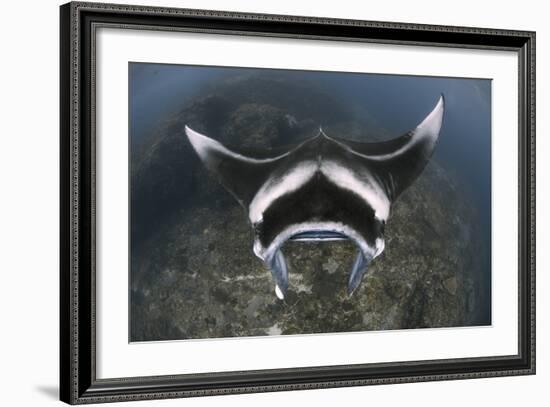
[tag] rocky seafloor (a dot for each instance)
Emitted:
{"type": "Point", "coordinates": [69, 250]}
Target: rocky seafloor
{"type": "Point", "coordinates": [193, 272]}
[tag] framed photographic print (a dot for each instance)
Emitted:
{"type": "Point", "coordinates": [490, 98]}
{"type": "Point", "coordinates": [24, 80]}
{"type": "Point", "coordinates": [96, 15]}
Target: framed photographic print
{"type": "Point", "coordinates": [256, 203]}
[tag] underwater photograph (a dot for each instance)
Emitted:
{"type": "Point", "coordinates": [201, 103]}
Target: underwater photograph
{"type": "Point", "coordinates": [290, 202]}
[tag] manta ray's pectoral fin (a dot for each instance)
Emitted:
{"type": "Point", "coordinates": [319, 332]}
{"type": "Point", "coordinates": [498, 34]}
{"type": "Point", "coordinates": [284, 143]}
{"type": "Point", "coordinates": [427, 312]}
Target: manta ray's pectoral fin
{"type": "Point", "coordinates": [360, 266]}
{"type": "Point", "coordinates": [400, 161]}
{"type": "Point", "coordinates": [239, 174]}
{"type": "Point", "coordinates": [404, 165]}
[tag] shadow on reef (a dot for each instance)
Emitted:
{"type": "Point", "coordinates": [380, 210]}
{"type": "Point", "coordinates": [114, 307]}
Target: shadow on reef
{"type": "Point", "coordinates": [193, 272]}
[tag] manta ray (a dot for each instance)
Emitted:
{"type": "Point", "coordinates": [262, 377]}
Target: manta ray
{"type": "Point", "coordinates": [324, 188]}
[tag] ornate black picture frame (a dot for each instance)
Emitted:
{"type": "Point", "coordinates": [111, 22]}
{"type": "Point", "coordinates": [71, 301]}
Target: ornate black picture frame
{"type": "Point", "coordinates": [78, 380]}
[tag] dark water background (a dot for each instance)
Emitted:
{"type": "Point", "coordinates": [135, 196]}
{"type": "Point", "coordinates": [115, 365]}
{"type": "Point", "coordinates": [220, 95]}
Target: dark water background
{"type": "Point", "coordinates": [396, 102]}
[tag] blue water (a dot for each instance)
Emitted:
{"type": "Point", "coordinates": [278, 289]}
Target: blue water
{"type": "Point", "coordinates": [158, 91]}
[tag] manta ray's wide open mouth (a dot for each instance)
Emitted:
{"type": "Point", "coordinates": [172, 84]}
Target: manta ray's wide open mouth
{"type": "Point", "coordinates": [330, 231]}
{"type": "Point", "coordinates": [318, 235]}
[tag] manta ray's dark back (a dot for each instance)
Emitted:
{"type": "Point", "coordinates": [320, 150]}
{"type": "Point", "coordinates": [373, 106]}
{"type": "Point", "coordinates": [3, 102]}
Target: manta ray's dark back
{"type": "Point", "coordinates": [324, 188]}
